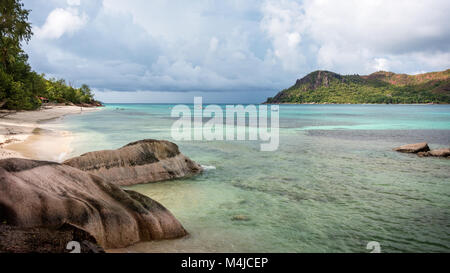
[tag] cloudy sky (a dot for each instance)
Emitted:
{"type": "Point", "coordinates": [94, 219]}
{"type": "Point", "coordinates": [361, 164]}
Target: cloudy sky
{"type": "Point", "coordinates": [230, 50]}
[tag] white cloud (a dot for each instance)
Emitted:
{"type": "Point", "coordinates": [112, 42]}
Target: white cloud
{"type": "Point", "coordinates": [381, 64]}
{"type": "Point", "coordinates": [73, 2]}
{"type": "Point", "coordinates": [283, 24]}
{"type": "Point", "coordinates": [213, 43]}
{"type": "Point", "coordinates": [233, 45]}
{"type": "Point", "coordinates": [353, 33]}
{"type": "Point", "coordinates": [61, 21]}
{"type": "Point", "coordinates": [358, 36]}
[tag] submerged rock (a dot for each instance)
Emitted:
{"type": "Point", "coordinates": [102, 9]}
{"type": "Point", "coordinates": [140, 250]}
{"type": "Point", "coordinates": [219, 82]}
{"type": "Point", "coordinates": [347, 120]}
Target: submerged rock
{"type": "Point", "coordinates": [240, 218]}
{"type": "Point", "coordinates": [413, 148]}
{"type": "Point", "coordinates": [436, 153]}
{"type": "Point", "coordinates": [37, 194]}
{"type": "Point", "coordinates": [139, 162]}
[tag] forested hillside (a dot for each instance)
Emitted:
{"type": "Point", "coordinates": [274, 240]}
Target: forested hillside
{"type": "Point", "coordinates": [380, 87]}
{"type": "Point", "coordinates": [21, 88]}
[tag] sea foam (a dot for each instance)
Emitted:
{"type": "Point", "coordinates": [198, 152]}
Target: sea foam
{"type": "Point", "coordinates": [208, 168]}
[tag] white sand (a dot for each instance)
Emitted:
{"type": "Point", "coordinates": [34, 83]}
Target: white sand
{"type": "Point", "coordinates": [22, 135]}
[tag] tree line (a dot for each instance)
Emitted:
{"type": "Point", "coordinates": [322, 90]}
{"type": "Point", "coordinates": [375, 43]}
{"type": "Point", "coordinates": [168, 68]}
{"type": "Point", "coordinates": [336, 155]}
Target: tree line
{"type": "Point", "coordinates": [21, 88]}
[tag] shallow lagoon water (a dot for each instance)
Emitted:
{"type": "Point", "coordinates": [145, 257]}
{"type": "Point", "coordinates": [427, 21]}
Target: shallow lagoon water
{"type": "Point", "coordinates": [333, 185]}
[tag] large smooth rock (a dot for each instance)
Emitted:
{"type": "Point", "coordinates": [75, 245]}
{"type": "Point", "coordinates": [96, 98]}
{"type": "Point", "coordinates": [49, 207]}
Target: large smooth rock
{"type": "Point", "coordinates": [139, 162]}
{"type": "Point", "coordinates": [436, 153]}
{"type": "Point", "coordinates": [413, 148]}
{"type": "Point", "coordinates": [50, 195]}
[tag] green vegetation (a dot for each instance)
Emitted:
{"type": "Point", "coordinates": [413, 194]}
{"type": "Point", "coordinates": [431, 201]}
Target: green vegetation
{"type": "Point", "coordinates": [20, 87]}
{"type": "Point", "coordinates": [380, 87]}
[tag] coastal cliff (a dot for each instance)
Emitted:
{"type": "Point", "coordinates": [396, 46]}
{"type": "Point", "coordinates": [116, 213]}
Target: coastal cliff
{"type": "Point", "coordinates": [47, 195]}
{"type": "Point", "coordinates": [139, 162]}
{"type": "Point", "coordinates": [379, 87]}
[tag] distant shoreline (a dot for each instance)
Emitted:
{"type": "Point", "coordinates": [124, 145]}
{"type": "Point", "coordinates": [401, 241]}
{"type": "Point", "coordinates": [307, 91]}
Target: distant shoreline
{"type": "Point", "coordinates": [377, 88]}
{"type": "Point", "coordinates": [323, 103]}
{"type": "Point", "coordinates": [264, 103]}
{"type": "Point", "coordinates": [24, 134]}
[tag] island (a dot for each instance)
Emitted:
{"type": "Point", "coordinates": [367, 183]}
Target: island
{"type": "Point", "coordinates": [325, 87]}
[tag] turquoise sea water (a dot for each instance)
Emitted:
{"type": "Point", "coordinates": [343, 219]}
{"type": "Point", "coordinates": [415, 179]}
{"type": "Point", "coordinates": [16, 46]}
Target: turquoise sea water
{"type": "Point", "coordinates": [333, 185]}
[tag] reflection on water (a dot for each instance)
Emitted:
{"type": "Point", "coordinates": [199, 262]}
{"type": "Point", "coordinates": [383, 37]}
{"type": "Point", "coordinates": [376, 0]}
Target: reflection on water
{"type": "Point", "coordinates": [333, 186]}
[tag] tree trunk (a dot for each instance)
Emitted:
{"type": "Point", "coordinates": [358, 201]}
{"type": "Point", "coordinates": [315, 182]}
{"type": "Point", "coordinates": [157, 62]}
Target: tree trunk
{"type": "Point", "coordinates": [3, 102]}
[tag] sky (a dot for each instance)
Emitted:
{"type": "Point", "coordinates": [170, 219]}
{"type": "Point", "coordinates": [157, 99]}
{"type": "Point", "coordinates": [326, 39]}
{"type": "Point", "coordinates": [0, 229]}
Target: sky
{"type": "Point", "coordinates": [229, 51]}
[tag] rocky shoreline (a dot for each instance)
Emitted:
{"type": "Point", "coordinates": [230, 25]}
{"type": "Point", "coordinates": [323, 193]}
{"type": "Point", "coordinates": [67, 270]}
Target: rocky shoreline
{"type": "Point", "coordinates": [44, 205]}
{"type": "Point", "coordinates": [38, 198]}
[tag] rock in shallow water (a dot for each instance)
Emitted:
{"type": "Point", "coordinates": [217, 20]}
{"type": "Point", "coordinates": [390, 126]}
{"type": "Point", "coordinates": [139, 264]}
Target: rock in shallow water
{"type": "Point", "coordinates": [240, 218]}
{"type": "Point", "coordinates": [436, 153]}
{"type": "Point", "coordinates": [413, 148]}
{"type": "Point", "coordinates": [139, 162]}
{"type": "Point", "coordinates": [49, 195]}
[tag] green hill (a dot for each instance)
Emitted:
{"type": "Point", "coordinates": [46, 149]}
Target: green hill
{"type": "Point", "coordinates": [379, 87]}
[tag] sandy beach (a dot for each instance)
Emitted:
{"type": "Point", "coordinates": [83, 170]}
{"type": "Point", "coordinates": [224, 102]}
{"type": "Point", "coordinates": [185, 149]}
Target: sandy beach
{"type": "Point", "coordinates": [25, 134]}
